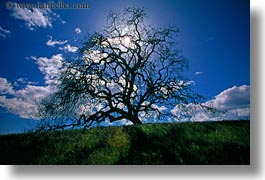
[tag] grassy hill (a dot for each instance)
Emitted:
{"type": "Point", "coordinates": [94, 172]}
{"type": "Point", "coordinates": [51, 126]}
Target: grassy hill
{"type": "Point", "coordinates": [226, 142]}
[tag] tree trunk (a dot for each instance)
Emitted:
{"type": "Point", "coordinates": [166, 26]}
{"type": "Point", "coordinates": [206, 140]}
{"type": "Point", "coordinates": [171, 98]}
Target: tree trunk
{"type": "Point", "coordinates": [136, 120]}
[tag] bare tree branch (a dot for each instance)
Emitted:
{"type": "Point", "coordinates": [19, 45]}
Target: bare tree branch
{"type": "Point", "coordinates": [128, 69]}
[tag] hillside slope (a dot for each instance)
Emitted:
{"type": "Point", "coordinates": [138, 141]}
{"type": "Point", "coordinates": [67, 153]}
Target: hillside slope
{"type": "Point", "coordinates": [226, 142]}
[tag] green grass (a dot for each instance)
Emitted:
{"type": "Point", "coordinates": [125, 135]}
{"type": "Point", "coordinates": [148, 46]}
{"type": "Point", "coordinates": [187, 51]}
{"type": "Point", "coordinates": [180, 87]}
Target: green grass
{"type": "Point", "coordinates": [226, 142]}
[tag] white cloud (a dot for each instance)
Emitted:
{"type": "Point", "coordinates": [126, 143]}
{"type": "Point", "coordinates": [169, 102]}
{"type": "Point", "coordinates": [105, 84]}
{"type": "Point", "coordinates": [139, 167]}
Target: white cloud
{"type": "Point", "coordinates": [24, 101]}
{"type": "Point", "coordinates": [19, 107]}
{"type": "Point", "coordinates": [32, 93]}
{"type": "Point", "coordinates": [235, 102]}
{"type": "Point", "coordinates": [35, 17]}
{"type": "Point", "coordinates": [198, 73]}
{"type": "Point", "coordinates": [24, 81]}
{"type": "Point", "coordinates": [4, 32]}
{"type": "Point", "coordinates": [232, 98]}
{"type": "Point", "coordinates": [5, 86]}
{"type": "Point", "coordinates": [50, 67]}
{"type": "Point", "coordinates": [52, 43]}
{"type": "Point", "coordinates": [69, 48]}
{"type": "Point", "coordinates": [78, 30]}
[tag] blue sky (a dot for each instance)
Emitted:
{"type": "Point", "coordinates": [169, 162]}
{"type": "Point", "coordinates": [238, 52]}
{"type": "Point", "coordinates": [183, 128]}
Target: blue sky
{"type": "Point", "coordinates": [214, 36]}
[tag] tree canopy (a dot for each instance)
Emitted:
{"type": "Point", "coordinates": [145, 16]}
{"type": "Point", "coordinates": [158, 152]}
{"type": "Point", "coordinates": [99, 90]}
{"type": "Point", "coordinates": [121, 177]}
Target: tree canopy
{"type": "Point", "coordinates": [130, 70]}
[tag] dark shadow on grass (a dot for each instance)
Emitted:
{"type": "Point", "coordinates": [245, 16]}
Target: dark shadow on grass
{"type": "Point", "coordinates": [146, 149]}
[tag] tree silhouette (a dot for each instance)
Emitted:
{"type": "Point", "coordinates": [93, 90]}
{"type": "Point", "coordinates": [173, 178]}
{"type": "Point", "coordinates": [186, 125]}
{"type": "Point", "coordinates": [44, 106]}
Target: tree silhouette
{"type": "Point", "coordinates": [130, 71]}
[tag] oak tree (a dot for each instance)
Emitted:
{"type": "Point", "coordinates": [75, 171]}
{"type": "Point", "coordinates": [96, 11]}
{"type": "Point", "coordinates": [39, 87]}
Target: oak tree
{"type": "Point", "coordinates": [130, 70]}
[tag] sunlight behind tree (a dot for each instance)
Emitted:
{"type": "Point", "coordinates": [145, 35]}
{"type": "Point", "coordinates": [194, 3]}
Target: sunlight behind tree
{"type": "Point", "coordinates": [129, 71]}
